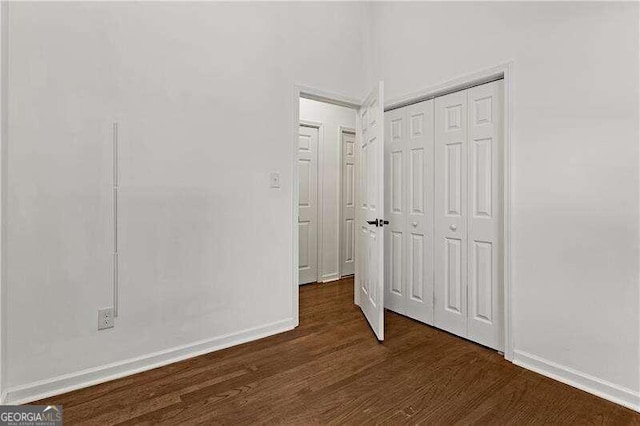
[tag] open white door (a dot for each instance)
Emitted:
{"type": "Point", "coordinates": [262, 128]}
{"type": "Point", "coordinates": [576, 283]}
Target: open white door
{"type": "Point", "coordinates": [369, 279]}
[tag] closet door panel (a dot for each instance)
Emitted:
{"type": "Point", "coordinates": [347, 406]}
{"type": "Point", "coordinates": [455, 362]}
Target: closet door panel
{"type": "Point", "coordinates": [395, 209]}
{"type": "Point", "coordinates": [485, 215]}
{"type": "Point", "coordinates": [450, 200]}
{"type": "Point", "coordinates": [419, 217]}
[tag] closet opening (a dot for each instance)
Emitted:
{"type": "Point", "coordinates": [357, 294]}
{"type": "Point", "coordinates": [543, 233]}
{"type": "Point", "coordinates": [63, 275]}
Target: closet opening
{"type": "Point", "coordinates": [444, 245]}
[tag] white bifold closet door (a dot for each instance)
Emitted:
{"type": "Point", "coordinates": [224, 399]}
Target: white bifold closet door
{"type": "Point", "coordinates": [485, 287]}
{"type": "Point", "coordinates": [443, 199]}
{"type": "Point", "coordinates": [451, 213]}
{"type": "Point", "coordinates": [468, 216]}
{"type": "Point", "coordinates": [348, 206]}
{"type": "Point", "coordinates": [409, 207]}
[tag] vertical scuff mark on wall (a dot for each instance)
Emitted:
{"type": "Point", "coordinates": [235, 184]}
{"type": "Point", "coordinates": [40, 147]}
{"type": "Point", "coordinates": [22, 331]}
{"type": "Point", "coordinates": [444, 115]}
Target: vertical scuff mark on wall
{"type": "Point", "coordinates": [638, 148]}
{"type": "Point", "coordinates": [115, 219]}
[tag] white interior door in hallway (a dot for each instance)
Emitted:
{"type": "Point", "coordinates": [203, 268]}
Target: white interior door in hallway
{"type": "Point", "coordinates": [348, 205]}
{"type": "Point", "coordinates": [308, 204]}
{"type": "Point", "coordinates": [444, 260]}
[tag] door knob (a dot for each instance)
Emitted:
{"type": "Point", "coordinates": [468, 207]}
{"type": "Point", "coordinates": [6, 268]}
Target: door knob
{"type": "Point", "coordinates": [453, 227]}
{"type": "Point", "coordinates": [378, 222]}
{"type": "Point", "coordinates": [414, 224]}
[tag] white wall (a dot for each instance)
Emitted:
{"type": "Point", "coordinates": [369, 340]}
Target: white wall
{"type": "Point", "coordinates": [575, 163]}
{"type": "Point", "coordinates": [332, 118]}
{"type": "Point", "coordinates": [204, 94]}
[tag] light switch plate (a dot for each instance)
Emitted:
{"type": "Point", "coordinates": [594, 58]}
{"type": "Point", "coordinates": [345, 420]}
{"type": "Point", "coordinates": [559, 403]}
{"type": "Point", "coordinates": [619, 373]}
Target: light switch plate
{"type": "Point", "coordinates": [274, 179]}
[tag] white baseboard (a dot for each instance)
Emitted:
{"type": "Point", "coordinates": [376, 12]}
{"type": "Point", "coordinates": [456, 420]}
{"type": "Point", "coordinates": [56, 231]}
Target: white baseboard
{"type": "Point", "coordinates": [93, 376]}
{"type": "Point", "coordinates": [330, 277]}
{"type": "Point", "coordinates": [607, 390]}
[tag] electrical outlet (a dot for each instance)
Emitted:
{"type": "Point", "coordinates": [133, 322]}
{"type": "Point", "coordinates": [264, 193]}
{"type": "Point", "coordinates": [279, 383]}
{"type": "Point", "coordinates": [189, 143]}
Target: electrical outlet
{"type": "Point", "coordinates": [106, 318]}
{"type": "Point", "coordinates": [274, 179]}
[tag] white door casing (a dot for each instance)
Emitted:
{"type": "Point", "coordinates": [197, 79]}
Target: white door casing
{"type": "Point", "coordinates": [450, 224]}
{"type": "Point", "coordinates": [348, 203]}
{"type": "Point", "coordinates": [369, 279]}
{"type": "Point", "coordinates": [485, 294]}
{"type": "Point", "coordinates": [308, 204]}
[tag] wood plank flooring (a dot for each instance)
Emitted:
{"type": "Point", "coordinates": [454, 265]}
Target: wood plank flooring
{"type": "Point", "coordinates": [331, 369]}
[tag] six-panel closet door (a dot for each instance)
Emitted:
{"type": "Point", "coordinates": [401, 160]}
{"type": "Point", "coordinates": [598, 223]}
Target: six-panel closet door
{"type": "Point", "coordinates": [395, 127]}
{"type": "Point", "coordinates": [409, 207]}
{"type": "Point", "coordinates": [485, 288]}
{"type": "Point", "coordinates": [468, 216]}
{"type": "Point", "coordinates": [450, 310]}
{"type": "Point", "coordinates": [443, 244]}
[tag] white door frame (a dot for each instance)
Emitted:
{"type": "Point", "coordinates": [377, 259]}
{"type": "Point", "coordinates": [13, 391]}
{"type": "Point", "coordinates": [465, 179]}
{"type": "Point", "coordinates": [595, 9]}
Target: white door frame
{"type": "Point", "coordinates": [504, 71]}
{"type": "Point", "coordinates": [307, 92]}
{"type": "Point", "coordinates": [343, 130]}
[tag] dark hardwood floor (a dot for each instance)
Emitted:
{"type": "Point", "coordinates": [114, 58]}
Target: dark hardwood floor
{"type": "Point", "coordinates": [331, 369]}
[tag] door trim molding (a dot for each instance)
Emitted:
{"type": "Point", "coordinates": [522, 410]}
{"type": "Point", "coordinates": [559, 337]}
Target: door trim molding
{"type": "Point", "coordinates": [456, 84]}
{"type": "Point", "coordinates": [501, 71]}
{"type": "Point", "coordinates": [602, 388]}
{"type": "Point", "coordinates": [35, 391]}
{"type": "Point", "coordinates": [306, 92]}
